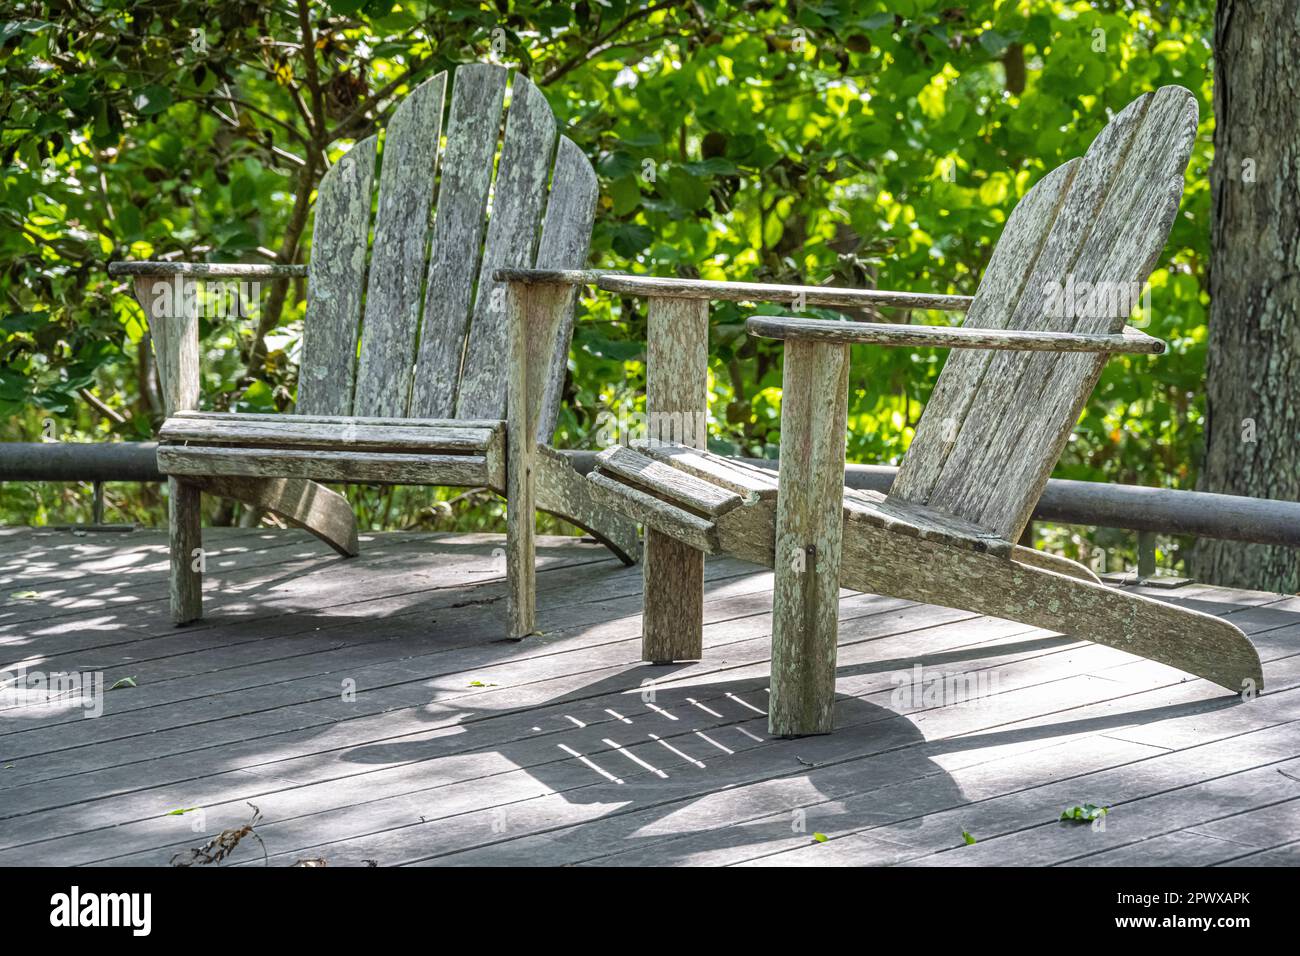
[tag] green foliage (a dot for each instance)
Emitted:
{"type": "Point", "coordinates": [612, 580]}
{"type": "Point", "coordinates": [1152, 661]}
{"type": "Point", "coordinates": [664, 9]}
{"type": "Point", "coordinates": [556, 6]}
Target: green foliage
{"type": "Point", "coordinates": [861, 142]}
{"type": "Point", "coordinates": [1084, 814]}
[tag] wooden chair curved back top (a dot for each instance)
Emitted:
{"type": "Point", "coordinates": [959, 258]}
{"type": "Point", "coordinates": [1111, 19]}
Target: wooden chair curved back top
{"type": "Point", "coordinates": [1073, 256]}
{"type": "Point", "coordinates": [413, 324]}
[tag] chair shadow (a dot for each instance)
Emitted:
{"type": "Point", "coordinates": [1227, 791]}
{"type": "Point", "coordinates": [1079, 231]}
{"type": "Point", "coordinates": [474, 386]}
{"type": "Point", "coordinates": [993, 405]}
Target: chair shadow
{"type": "Point", "coordinates": [662, 778]}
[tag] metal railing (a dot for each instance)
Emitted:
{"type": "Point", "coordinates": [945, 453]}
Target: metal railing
{"type": "Point", "coordinates": [1130, 507]}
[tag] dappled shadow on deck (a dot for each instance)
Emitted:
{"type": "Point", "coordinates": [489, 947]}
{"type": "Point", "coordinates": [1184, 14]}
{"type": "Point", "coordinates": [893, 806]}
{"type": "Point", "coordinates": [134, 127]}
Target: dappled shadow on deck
{"type": "Point", "coordinates": [372, 712]}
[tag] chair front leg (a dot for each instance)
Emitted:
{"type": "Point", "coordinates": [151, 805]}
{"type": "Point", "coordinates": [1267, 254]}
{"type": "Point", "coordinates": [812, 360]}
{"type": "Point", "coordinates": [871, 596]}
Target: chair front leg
{"type": "Point", "coordinates": [170, 309]}
{"type": "Point", "coordinates": [523, 399]}
{"type": "Point", "coordinates": [809, 533]}
{"type": "Point", "coordinates": [521, 511]}
{"type": "Point", "coordinates": [185, 538]}
{"type": "Point", "coordinates": [677, 403]}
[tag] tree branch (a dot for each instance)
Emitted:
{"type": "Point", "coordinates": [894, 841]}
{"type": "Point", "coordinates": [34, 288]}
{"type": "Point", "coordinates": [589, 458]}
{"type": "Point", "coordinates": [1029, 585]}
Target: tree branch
{"type": "Point", "coordinates": [601, 42]}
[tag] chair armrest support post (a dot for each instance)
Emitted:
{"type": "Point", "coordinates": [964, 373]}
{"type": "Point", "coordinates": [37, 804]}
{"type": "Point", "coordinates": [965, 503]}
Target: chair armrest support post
{"type": "Point", "coordinates": [171, 311]}
{"type": "Point", "coordinates": [677, 368]}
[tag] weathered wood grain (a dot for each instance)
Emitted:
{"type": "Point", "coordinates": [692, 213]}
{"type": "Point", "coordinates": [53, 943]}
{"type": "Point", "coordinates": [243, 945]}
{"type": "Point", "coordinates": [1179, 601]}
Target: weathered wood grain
{"type": "Point", "coordinates": [959, 384]}
{"type": "Point", "coordinates": [918, 521]}
{"type": "Point", "coordinates": [565, 493]}
{"type": "Point", "coordinates": [175, 334]}
{"type": "Point", "coordinates": [934, 572]}
{"type": "Point", "coordinates": [208, 270]}
{"type": "Point", "coordinates": [668, 482]}
{"type": "Point", "coordinates": [677, 363]}
{"type": "Point", "coordinates": [343, 420]}
{"type": "Point", "coordinates": [660, 517]}
{"type": "Point", "coordinates": [397, 264]}
{"type": "Point", "coordinates": [174, 328]}
{"type": "Point", "coordinates": [1053, 562]}
{"type": "Point", "coordinates": [372, 467]}
{"type": "Point", "coordinates": [290, 431]}
{"type": "Point", "coordinates": [987, 456]}
{"type": "Point", "coordinates": [376, 766]}
{"type": "Point", "coordinates": [1128, 341]}
{"type": "Point", "coordinates": [809, 528]}
{"type": "Point", "coordinates": [185, 540]}
{"type": "Point", "coordinates": [736, 476]}
{"type": "Point", "coordinates": [303, 504]}
{"type": "Point", "coordinates": [335, 284]}
{"type": "Point", "coordinates": [473, 131]}
{"type": "Point", "coordinates": [518, 199]}
{"type": "Point", "coordinates": [355, 421]}
{"type": "Point", "coordinates": [549, 276]}
{"type": "Point", "coordinates": [669, 288]}
{"type": "Point", "coordinates": [1122, 248]}
{"type": "Point", "coordinates": [566, 237]}
{"type": "Point", "coordinates": [521, 454]}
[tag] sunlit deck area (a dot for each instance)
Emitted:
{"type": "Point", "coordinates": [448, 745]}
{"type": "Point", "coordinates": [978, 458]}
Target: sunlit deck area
{"type": "Point", "coordinates": [370, 712]}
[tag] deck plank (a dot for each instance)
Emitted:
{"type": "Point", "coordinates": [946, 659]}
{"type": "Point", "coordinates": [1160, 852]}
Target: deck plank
{"type": "Point", "coordinates": [462, 749]}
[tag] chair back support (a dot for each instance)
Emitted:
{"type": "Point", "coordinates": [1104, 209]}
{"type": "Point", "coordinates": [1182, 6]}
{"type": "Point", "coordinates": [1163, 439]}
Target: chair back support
{"type": "Point", "coordinates": [413, 324]}
{"type": "Point", "coordinates": [1074, 256]}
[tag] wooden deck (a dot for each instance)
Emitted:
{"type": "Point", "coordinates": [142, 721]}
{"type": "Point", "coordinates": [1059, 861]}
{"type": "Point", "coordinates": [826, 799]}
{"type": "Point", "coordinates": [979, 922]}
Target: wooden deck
{"type": "Point", "coordinates": [368, 709]}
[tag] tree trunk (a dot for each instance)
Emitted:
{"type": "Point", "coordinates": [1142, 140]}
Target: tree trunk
{"type": "Point", "coordinates": [1253, 372]}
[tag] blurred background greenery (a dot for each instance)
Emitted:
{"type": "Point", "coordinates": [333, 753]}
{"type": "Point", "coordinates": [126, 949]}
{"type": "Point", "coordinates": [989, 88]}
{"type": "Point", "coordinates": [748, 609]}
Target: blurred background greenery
{"type": "Point", "coordinates": [855, 142]}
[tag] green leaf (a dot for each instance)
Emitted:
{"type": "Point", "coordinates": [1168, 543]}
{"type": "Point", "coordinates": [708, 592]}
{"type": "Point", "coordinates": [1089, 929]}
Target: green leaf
{"type": "Point", "coordinates": [717, 166]}
{"type": "Point", "coordinates": [617, 164]}
{"type": "Point", "coordinates": [626, 195]}
{"type": "Point", "coordinates": [820, 837]}
{"type": "Point", "coordinates": [970, 840]}
{"type": "Point", "coordinates": [995, 43]}
{"type": "Point", "coordinates": [181, 812]}
{"type": "Point", "coordinates": [1084, 813]}
{"type": "Point", "coordinates": [152, 99]}
{"type": "Point", "coordinates": [13, 28]}
{"type": "Point", "coordinates": [630, 240]}
{"type": "Point", "coordinates": [124, 682]}
{"type": "Point", "coordinates": [619, 351]}
{"type": "Point", "coordinates": [641, 139]}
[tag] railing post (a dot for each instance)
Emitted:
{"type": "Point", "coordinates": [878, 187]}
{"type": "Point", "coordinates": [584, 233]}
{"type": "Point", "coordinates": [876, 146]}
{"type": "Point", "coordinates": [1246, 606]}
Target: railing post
{"type": "Point", "coordinates": [1146, 555]}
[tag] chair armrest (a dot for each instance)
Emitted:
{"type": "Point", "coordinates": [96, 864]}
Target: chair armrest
{"type": "Point", "coordinates": [572, 277]}
{"type": "Point", "coordinates": [206, 270]}
{"type": "Point", "coordinates": [1130, 340]}
{"type": "Point", "coordinates": [172, 319]}
{"type": "Point", "coordinates": [652, 286]}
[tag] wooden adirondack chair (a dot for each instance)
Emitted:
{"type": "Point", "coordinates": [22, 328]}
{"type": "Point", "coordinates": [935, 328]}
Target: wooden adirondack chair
{"type": "Point", "coordinates": [424, 368]}
{"type": "Point", "coordinates": [995, 425]}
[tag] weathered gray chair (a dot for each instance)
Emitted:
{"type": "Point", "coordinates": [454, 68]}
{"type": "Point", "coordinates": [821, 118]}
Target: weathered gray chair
{"type": "Point", "coordinates": [996, 423]}
{"type": "Point", "coordinates": [424, 368]}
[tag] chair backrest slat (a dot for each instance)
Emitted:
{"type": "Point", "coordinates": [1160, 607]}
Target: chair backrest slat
{"type": "Point", "coordinates": [432, 343]}
{"type": "Point", "coordinates": [393, 291]}
{"type": "Point", "coordinates": [997, 423]}
{"type": "Point", "coordinates": [473, 131]}
{"type": "Point", "coordinates": [336, 279]}
{"type": "Point", "coordinates": [518, 199]}
{"type": "Point", "coordinates": [566, 239]}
